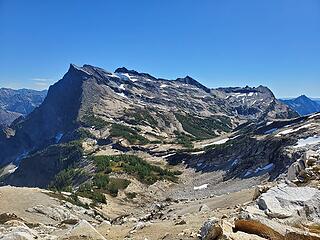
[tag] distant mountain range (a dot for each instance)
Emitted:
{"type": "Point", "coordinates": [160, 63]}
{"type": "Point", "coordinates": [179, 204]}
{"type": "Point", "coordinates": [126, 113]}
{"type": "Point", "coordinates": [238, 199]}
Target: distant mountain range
{"type": "Point", "coordinates": [303, 105]}
{"type": "Point", "coordinates": [16, 103]}
{"type": "Point", "coordinates": [316, 100]}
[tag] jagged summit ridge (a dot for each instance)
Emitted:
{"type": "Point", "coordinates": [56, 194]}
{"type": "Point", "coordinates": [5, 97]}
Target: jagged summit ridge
{"type": "Point", "coordinates": [191, 81]}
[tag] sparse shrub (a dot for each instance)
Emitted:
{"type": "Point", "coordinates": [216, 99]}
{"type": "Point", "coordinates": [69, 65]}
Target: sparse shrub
{"type": "Point", "coordinates": [118, 130]}
{"type": "Point", "coordinates": [63, 181]}
{"type": "Point", "coordinates": [101, 180]}
{"type": "Point", "coordinates": [82, 133]}
{"type": "Point", "coordinates": [86, 190]}
{"type": "Point", "coordinates": [135, 166]}
{"type": "Point", "coordinates": [141, 115]}
{"type": "Point", "coordinates": [131, 195]}
{"type": "Point", "coordinates": [89, 120]}
{"type": "Point", "coordinates": [102, 164]}
{"type": "Point", "coordinates": [184, 140]}
{"type": "Point", "coordinates": [98, 197]}
{"type": "Point", "coordinates": [203, 128]}
{"type": "Point", "coordinates": [117, 184]}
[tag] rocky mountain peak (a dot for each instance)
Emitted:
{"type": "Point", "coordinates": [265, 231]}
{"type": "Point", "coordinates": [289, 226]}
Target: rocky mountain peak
{"type": "Point", "coordinates": [124, 70]}
{"type": "Point", "coordinates": [303, 98]}
{"type": "Point", "coordinates": [75, 69]}
{"type": "Point", "coordinates": [265, 89]}
{"type": "Point", "coordinates": [303, 105]}
{"type": "Point", "coordinates": [191, 81]}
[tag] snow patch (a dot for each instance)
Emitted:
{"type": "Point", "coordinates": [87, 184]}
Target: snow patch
{"type": "Point", "coordinates": [122, 87]}
{"type": "Point", "coordinates": [20, 157]}
{"type": "Point", "coordinates": [12, 170]}
{"type": "Point", "coordinates": [219, 142]}
{"type": "Point", "coordinates": [290, 130]}
{"type": "Point", "coordinates": [113, 75]}
{"type": "Point", "coordinates": [204, 186]}
{"type": "Point", "coordinates": [163, 85]}
{"type": "Point", "coordinates": [122, 95]}
{"type": "Point", "coordinates": [272, 130]}
{"type": "Point", "coordinates": [315, 115]}
{"type": "Point", "coordinates": [58, 137]}
{"type": "Point", "coordinates": [249, 172]}
{"type": "Point", "coordinates": [133, 79]}
{"type": "Point", "coordinates": [235, 162]}
{"type": "Point", "coordinates": [222, 141]}
{"type": "Point", "coordinates": [308, 141]}
{"type": "Point", "coordinates": [237, 95]}
{"type": "Point", "coordinates": [267, 167]}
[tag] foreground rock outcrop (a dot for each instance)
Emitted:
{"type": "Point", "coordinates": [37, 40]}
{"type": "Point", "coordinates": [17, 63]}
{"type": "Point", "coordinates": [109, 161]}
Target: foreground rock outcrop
{"type": "Point", "coordinates": [283, 212]}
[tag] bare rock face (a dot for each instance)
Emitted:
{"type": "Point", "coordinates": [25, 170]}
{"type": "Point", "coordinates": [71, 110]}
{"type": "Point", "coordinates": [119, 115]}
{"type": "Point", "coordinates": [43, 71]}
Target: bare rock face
{"type": "Point", "coordinates": [269, 231]}
{"type": "Point", "coordinates": [17, 230]}
{"type": "Point", "coordinates": [57, 213]}
{"type": "Point", "coordinates": [283, 212]}
{"type": "Point", "coordinates": [204, 208]}
{"type": "Point", "coordinates": [285, 202]}
{"type": "Point", "coordinates": [211, 230]}
{"type": "Point", "coordinates": [83, 230]}
{"type": "Point", "coordinates": [306, 168]}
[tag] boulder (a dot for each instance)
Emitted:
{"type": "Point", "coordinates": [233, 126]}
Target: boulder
{"type": "Point", "coordinates": [211, 230]}
{"type": "Point", "coordinates": [204, 208]}
{"type": "Point", "coordinates": [267, 231]}
{"type": "Point", "coordinates": [83, 230]}
{"type": "Point", "coordinates": [57, 213]}
{"type": "Point", "coordinates": [283, 201]}
{"type": "Point", "coordinates": [17, 236]}
{"type": "Point", "coordinates": [18, 231]}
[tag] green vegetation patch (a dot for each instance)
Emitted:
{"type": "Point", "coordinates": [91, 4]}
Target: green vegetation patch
{"type": "Point", "coordinates": [103, 184]}
{"type": "Point", "coordinates": [142, 115]}
{"type": "Point", "coordinates": [118, 130]}
{"type": "Point", "coordinates": [89, 120]}
{"type": "Point", "coordinates": [134, 166]}
{"type": "Point", "coordinates": [69, 153]}
{"type": "Point", "coordinates": [204, 128]}
{"type": "Point", "coordinates": [83, 133]}
{"type": "Point", "coordinates": [87, 190]}
{"type": "Point", "coordinates": [73, 198]}
{"type": "Point", "coordinates": [184, 139]}
{"type": "Point", "coordinates": [64, 180]}
{"type": "Point", "coordinates": [117, 184]}
{"type": "Point", "coordinates": [131, 195]}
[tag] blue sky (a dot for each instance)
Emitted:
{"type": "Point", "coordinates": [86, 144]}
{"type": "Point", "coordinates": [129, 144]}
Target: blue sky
{"type": "Point", "coordinates": [218, 42]}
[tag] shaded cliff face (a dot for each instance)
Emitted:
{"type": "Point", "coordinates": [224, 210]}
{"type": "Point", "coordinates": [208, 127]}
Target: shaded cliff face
{"type": "Point", "coordinates": [48, 123]}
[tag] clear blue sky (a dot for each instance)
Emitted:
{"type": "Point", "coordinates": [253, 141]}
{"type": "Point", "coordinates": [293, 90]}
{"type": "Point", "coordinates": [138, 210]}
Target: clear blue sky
{"type": "Point", "coordinates": [219, 42]}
